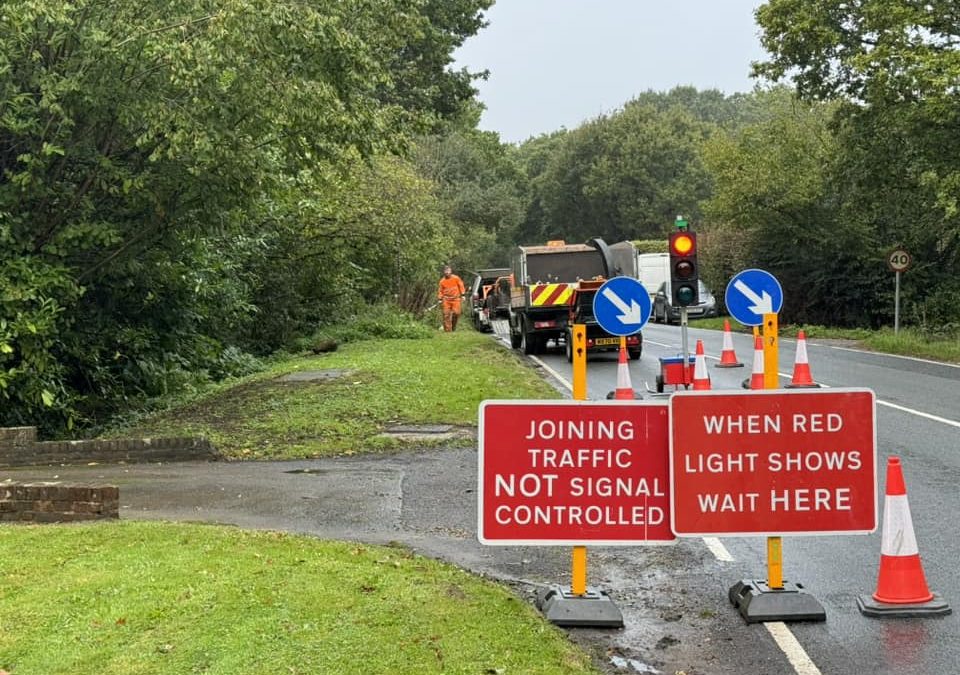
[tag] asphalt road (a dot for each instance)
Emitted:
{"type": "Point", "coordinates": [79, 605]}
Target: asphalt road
{"type": "Point", "coordinates": [674, 598]}
{"type": "Point", "coordinates": [918, 419]}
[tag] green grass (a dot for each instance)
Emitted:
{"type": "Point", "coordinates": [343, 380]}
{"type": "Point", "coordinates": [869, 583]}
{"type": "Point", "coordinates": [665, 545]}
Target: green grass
{"type": "Point", "coordinates": [440, 379]}
{"type": "Point", "coordinates": [913, 343]}
{"type": "Point", "coordinates": [128, 597]}
{"type": "Point", "coordinates": [909, 342]}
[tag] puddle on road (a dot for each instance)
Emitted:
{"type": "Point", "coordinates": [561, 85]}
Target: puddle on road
{"type": "Point", "coordinates": [307, 471]}
{"type": "Point", "coordinates": [631, 665]}
{"type": "Point", "coordinates": [421, 432]}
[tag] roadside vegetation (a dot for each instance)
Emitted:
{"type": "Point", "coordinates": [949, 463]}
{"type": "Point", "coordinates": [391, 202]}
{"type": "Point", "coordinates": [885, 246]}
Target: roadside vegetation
{"type": "Point", "coordinates": [432, 377]}
{"type": "Point", "coordinates": [136, 597]}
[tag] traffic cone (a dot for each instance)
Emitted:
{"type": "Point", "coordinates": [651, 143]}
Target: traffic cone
{"type": "Point", "coordinates": [756, 377]}
{"type": "Point", "coordinates": [701, 380]}
{"type": "Point", "coordinates": [728, 357]}
{"type": "Point", "coordinates": [624, 390]}
{"type": "Point", "coordinates": [901, 585]}
{"type": "Point", "coordinates": [801, 366]}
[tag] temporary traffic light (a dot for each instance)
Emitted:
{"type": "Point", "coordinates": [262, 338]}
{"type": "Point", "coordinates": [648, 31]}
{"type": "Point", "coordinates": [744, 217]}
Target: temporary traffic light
{"type": "Point", "coordinates": [684, 271]}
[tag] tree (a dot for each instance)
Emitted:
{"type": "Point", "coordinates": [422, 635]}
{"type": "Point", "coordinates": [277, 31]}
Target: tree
{"type": "Point", "coordinates": [775, 206]}
{"type": "Point", "coordinates": [895, 65]}
{"type": "Point", "coordinates": [480, 184]}
{"type": "Point", "coordinates": [625, 176]}
{"type": "Point", "coordinates": [136, 137]}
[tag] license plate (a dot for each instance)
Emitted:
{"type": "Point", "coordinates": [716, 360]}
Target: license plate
{"type": "Point", "coordinates": [600, 342]}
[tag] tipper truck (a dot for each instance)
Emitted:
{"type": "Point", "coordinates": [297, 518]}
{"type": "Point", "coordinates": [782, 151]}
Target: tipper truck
{"type": "Point", "coordinates": [546, 279]}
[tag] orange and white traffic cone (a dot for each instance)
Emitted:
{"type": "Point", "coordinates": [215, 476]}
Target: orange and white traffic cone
{"type": "Point", "coordinates": [756, 377]}
{"type": "Point", "coordinates": [801, 366]}
{"type": "Point", "coordinates": [624, 391]}
{"type": "Point", "coordinates": [728, 357]}
{"type": "Point", "coordinates": [901, 584]}
{"type": "Point", "coordinates": [701, 380]}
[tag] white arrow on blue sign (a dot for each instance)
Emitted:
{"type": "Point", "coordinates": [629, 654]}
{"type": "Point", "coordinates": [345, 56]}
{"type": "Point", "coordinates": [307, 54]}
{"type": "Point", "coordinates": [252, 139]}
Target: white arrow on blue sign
{"type": "Point", "coordinates": [621, 306]}
{"type": "Point", "coordinates": [751, 294]}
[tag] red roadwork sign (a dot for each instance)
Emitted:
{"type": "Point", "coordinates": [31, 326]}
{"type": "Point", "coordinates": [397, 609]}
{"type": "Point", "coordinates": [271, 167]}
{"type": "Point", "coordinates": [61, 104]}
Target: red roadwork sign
{"type": "Point", "coordinates": [773, 462]}
{"type": "Point", "coordinates": [573, 472]}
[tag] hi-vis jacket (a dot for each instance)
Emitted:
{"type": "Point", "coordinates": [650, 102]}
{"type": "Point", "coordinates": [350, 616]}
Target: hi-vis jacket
{"type": "Point", "coordinates": [450, 288]}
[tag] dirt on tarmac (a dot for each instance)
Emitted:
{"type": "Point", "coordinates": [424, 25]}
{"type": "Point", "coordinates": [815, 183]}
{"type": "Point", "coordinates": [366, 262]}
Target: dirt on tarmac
{"type": "Point", "coordinates": [673, 598]}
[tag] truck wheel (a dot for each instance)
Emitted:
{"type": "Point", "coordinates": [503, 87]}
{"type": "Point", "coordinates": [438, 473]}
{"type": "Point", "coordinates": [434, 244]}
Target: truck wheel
{"type": "Point", "coordinates": [659, 384]}
{"type": "Point", "coordinates": [515, 339]}
{"type": "Point", "coordinates": [529, 342]}
{"type": "Point", "coordinates": [635, 353]}
{"type": "Point", "coordinates": [569, 346]}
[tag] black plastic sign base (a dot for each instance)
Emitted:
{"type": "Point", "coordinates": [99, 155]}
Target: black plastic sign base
{"type": "Point", "coordinates": [595, 609]}
{"type": "Point", "coordinates": [868, 606]}
{"type": "Point", "coordinates": [758, 602]}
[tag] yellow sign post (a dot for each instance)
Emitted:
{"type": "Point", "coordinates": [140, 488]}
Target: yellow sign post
{"type": "Point", "coordinates": [771, 347]}
{"type": "Point", "coordinates": [773, 599]}
{"type": "Point", "coordinates": [578, 582]}
{"type": "Point", "coordinates": [579, 606]}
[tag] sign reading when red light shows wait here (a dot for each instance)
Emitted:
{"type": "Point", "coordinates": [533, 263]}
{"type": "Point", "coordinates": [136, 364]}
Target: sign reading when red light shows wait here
{"type": "Point", "coordinates": [573, 472]}
{"type": "Point", "coordinates": [773, 462]}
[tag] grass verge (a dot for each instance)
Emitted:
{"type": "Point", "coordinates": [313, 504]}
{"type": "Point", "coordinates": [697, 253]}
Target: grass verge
{"type": "Point", "coordinates": [439, 379]}
{"type": "Point", "coordinates": [908, 342]}
{"type": "Point", "coordinates": [136, 597]}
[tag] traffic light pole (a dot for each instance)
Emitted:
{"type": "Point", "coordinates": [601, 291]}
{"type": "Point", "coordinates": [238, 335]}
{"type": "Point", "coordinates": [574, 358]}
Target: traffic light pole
{"type": "Point", "coordinates": [685, 346]}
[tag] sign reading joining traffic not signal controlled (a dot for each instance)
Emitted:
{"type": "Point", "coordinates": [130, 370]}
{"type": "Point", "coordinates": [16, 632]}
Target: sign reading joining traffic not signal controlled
{"type": "Point", "coordinates": [773, 462]}
{"type": "Point", "coordinates": [573, 472]}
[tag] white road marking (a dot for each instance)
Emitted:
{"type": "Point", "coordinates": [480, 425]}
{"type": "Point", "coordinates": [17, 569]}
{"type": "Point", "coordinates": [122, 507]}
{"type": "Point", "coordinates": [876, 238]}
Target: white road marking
{"type": "Point", "coordinates": [918, 413]}
{"type": "Point", "coordinates": [791, 647]}
{"type": "Point", "coordinates": [718, 550]}
{"type": "Point", "coordinates": [911, 411]}
{"type": "Point", "coordinates": [550, 370]}
{"type": "Point", "coordinates": [892, 356]}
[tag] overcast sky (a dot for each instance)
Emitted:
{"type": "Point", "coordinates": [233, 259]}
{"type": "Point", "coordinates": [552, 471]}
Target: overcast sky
{"type": "Point", "coordinates": [556, 63]}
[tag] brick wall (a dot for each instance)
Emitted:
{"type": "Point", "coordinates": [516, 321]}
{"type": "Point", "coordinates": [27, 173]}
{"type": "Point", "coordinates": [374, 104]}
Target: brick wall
{"type": "Point", "coordinates": [57, 502]}
{"type": "Point", "coordinates": [19, 447]}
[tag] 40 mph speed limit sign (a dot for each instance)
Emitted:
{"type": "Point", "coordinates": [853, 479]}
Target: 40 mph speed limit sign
{"type": "Point", "coordinates": [899, 260]}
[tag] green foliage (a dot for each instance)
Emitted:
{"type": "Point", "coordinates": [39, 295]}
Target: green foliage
{"type": "Point", "coordinates": [152, 598]}
{"type": "Point", "coordinates": [383, 321]}
{"type": "Point", "coordinates": [619, 177]}
{"type": "Point", "coordinates": [894, 66]}
{"type": "Point", "coordinates": [652, 245]}
{"type": "Point", "coordinates": [341, 242]}
{"type": "Point", "coordinates": [480, 184]}
{"type": "Point", "coordinates": [774, 207]}
{"type": "Point", "coordinates": [161, 163]}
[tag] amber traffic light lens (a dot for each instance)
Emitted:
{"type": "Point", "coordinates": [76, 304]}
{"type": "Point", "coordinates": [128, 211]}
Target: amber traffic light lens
{"type": "Point", "coordinates": [682, 245]}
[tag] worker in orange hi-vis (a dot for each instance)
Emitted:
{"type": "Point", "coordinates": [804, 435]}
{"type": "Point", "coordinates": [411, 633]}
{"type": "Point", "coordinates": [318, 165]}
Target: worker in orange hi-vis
{"type": "Point", "coordinates": [449, 293]}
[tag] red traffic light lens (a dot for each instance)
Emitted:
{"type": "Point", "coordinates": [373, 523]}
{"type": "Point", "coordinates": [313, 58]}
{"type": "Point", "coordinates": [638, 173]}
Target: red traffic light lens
{"type": "Point", "coordinates": [682, 244]}
{"type": "Point", "coordinates": [684, 269]}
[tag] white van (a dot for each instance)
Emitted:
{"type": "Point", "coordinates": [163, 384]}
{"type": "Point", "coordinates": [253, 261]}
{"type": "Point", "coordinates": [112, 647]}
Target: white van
{"type": "Point", "coordinates": [653, 269]}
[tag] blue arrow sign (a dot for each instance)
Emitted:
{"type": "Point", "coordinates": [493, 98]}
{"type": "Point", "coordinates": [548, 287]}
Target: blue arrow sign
{"type": "Point", "coordinates": [751, 294]}
{"type": "Point", "coordinates": [621, 306]}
